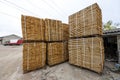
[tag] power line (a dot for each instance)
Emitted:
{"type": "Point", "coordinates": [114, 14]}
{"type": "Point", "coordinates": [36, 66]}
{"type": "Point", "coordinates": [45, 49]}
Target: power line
{"type": "Point", "coordinates": [20, 7]}
{"type": "Point", "coordinates": [52, 7]}
{"type": "Point", "coordinates": [35, 6]}
{"type": "Point", "coordinates": [9, 15]}
{"type": "Point", "coordinates": [58, 6]}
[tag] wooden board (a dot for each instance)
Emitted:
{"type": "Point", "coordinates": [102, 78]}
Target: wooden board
{"type": "Point", "coordinates": [34, 56]}
{"type": "Point", "coordinates": [57, 53]}
{"type": "Point", "coordinates": [86, 22]}
{"type": "Point", "coordinates": [32, 28]}
{"type": "Point", "coordinates": [87, 53]}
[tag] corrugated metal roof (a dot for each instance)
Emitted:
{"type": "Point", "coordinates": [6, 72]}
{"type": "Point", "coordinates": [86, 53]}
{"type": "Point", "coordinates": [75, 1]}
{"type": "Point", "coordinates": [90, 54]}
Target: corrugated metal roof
{"type": "Point", "coordinates": [112, 31]}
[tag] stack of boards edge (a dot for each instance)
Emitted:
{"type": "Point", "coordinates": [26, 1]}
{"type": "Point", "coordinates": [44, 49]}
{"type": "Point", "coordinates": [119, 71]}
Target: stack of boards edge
{"type": "Point", "coordinates": [55, 30]}
{"type": "Point", "coordinates": [85, 45]}
{"type": "Point", "coordinates": [37, 29]}
{"type": "Point", "coordinates": [37, 34]}
{"type": "Point", "coordinates": [57, 53]}
{"type": "Point", "coordinates": [33, 28]}
{"type": "Point", "coordinates": [65, 31]}
{"type": "Point", "coordinates": [34, 48]}
{"type": "Point", "coordinates": [86, 22]}
{"type": "Point", "coordinates": [56, 35]}
{"type": "Point", "coordinates": [87, 53]}
{"type": "Point", "coordinates": [34, 56]}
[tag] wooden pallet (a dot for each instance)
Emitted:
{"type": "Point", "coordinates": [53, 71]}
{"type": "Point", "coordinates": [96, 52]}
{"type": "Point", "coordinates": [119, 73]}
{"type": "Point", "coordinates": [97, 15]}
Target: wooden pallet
{"type": "Point", "coordinates": [32, 28]}
{"type": "Point", "coordinates": [34, 56]}
{"type": "Point", "coordinates": [86, 22]}
{"type": "Point", "coordinates": [65, 31]}
{"type": "Point", "coordinates": [87, 53]}
{"type": "Point", "coordinates": [55, 30]}
{"type": "Point", "coordinates": [57, 53]}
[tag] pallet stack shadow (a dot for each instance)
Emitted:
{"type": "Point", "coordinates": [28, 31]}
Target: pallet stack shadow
{"type": "Point", "coordinates": [86, 45]}
{"type": "Point", "coordinates": [45, 41]}
{"type": "Point", "coordinates": [56, 36]}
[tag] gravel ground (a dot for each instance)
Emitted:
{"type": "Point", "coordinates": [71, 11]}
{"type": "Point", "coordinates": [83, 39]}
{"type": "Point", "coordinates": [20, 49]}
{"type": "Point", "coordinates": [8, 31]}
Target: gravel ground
{"type": "Point", "coordinates": [11, 69]}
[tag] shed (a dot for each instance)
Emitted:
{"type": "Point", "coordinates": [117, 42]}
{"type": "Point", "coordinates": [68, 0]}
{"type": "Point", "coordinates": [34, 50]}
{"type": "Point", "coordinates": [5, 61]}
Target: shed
{"type": "Point", "coordinates": [112, 44]}
{"type": "Point", "coordinates": [1, 40]}
{"type": "Point", "coordinates": [9, 37]}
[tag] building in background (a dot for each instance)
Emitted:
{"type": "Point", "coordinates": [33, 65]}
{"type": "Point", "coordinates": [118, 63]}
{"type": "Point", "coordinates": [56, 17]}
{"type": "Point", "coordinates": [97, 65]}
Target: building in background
{"type": "Point", "coordinates": [1, 40]}
{"type": "Point", "coordinates": [112, 44]}
{"type": "Point", "coordinates": [6, 39]}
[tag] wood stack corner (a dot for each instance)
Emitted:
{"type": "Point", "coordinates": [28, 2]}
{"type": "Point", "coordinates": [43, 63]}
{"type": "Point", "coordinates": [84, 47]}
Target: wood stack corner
{"type": "Point", "coordinates": [85, 44]}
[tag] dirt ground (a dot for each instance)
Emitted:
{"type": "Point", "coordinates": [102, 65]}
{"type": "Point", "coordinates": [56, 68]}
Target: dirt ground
{"type": "Point", "coordinates": [11, 69]}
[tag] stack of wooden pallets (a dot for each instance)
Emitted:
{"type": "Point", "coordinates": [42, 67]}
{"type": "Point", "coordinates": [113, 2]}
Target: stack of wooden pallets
{"type": "Point", "coordinates": [34, 56]}
{"type": "Point", "coordinates": [53, 30]}
{"type": "Point", "coordinates": [87, 52]}
{"type": "Point", "coordinates": [65, 31]}
{"type": "Point", "coordinates": [86, 22]}
{"type": "Point", "coordinates": [38, 36]}
{"type": "Point", "coordinates": [33, 28]}
{"type": "Point", "coordinates": [86, 44]}
{"type": "Point", "coordinates": [56, 35]}
{"type": "Point", "coordinates": [34, 53]}
{"type": "Point", "coordinates": [57, 53]}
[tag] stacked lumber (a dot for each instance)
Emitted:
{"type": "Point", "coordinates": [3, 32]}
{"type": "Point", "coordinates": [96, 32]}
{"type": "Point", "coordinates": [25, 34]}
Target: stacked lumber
{"type": "Point", "coordinates": [56, 33]}
{"type": "Point", "coordinates": [87, 52]}
{"type": "Point", "coordinates": [34, 56]}
{"type": "Point", "coordinates": [86, 22]}
{"type": "Point", "coordinates": [55, 30]}
{"type": "Point", "coordinates": [57, 53]}
{"type": "Point", "coordinates": [45, 30]}
{"type": "Point", "coordinates": [65, 31]}
{"type": "Point", "coordinates": [86, 45]}
{"type": "Point", "coordinates": [32, 28]}
{"type": "Point", "coordinates": [36, 34]}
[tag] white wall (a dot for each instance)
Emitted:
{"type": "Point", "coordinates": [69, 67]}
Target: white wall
{"type": "Point", "coordinates": [118, 45]}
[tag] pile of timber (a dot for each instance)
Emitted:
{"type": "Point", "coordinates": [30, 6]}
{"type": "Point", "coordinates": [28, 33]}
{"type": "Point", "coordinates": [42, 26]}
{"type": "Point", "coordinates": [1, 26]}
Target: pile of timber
{"type": "Point", "coordinates": [57, 53]}
{"type": "Point", "coordinates": [86, 22]}
{"type": "Point", "coordinates": [38, 35]}
{"type": "Point", "coordinates": [34, 56]}
{"type": "Point", "coordinates": [65, 31]}
{"type": "Point", "coordinates": [87, 53]}
{"type": "Point", "coordinates": [33, 28]}
{"type": "Point", "coordinates": [85, 45]}
{"type": "Point", "coordinates": [55, 30]}
{"type": "Point", "coordinates": [56, 35]}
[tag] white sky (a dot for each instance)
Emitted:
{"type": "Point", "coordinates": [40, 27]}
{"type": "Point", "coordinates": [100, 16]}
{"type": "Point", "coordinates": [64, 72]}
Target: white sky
{"type": "Point", "coordinates": [10, 14]}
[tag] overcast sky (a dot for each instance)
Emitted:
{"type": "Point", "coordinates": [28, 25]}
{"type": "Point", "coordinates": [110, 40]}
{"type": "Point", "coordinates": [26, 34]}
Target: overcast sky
{"type": "Point", "coordinates": [11, 10]}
